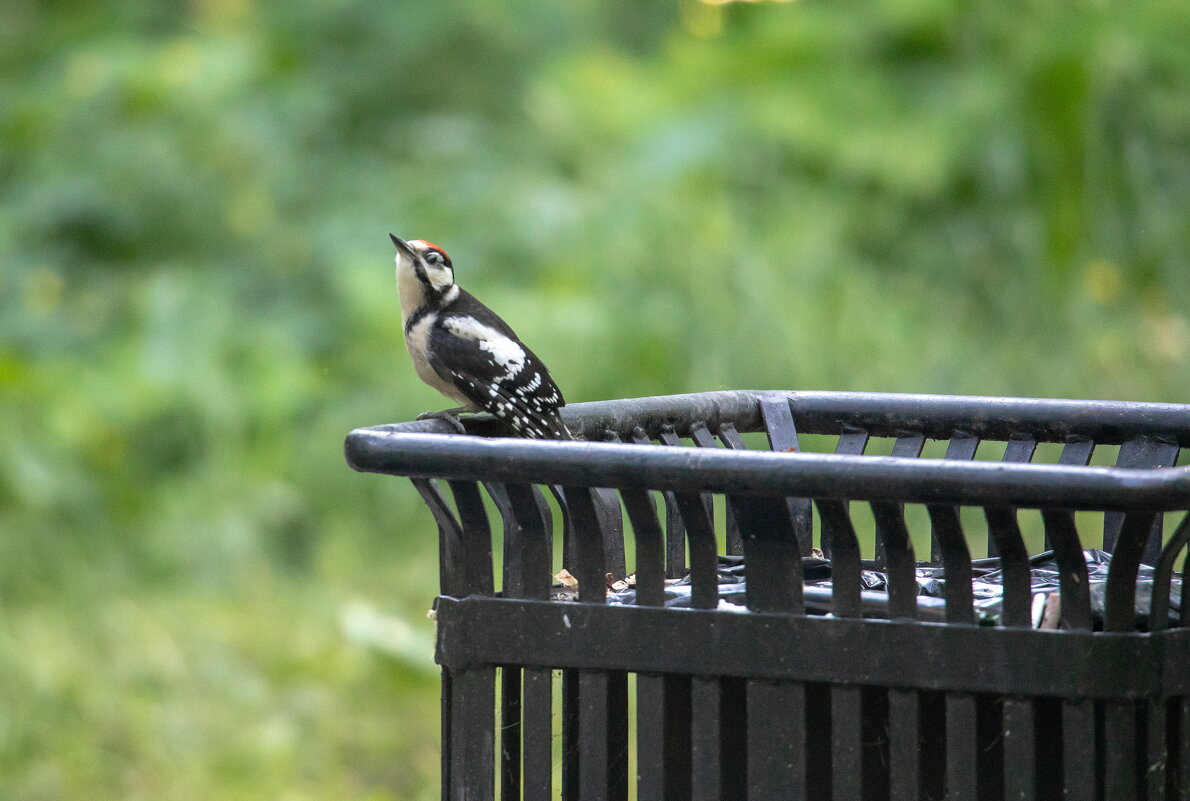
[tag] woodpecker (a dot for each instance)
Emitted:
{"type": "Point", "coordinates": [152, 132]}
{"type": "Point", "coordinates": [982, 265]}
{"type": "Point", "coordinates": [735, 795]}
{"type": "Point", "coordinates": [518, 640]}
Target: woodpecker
{"type": "Point", "coordinates": [464, 350]}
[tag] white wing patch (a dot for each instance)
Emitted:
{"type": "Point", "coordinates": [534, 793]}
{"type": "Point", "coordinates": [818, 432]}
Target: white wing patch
{"type": "Point", "coordinates": [505, 352]}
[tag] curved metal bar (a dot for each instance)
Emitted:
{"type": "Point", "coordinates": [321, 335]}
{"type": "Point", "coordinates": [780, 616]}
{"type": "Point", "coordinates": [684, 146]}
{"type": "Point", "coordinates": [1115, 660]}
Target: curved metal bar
{"type": "Point", "coordinates": [1119, 613]}
{"type": "Point", "coordinates": [773, 556]}
{"type": "Point", "coordinates": [588, 552]}
{"type": "Point", "coordinates": [732, 441]}
{"type": "Point", "coordinates": [1072, 567]}
{"type": "Point", "coordinates": [1184, 622]}
{"type": "Point", "coordinates": [962, 446]}
{"type": "Point", "coordinates": [529, 512]}
{"type": "Point", "coordinates": [675, 530]}
{"type": "Point", "coordinates": [845, 557]}
{"type": "Point", "coordinates": [881, 413]}
{"type": "Point", "coordinates": [1014, 565]}
{"type": "Point", "coordinates": [650, 547]}
{"type": "Point", "coordinates": [1018, 450]}
{"type": "Point", "coordinates": [477, 538]}
{"type": "Point", "coordinates": [782, 432]}
{"type": "Point", "coordinates": [893, 535]}
{"type": "Point", "coordinates": [700, 534]}
{"type": "Point", "coordinates": [1163, 575]}
{"type": "Point", "coordinates": [450, 537]}
{"type": "Point", "coordinates": [956, 560]}
{"type": "Point", "coordinates": [949, 543]}
{"type": "Point", "coordinates": [512, 579]}
{"type": "Point", "coordinates": [879, 478]}
{"type": "Point", "coordinates": [559, 495]}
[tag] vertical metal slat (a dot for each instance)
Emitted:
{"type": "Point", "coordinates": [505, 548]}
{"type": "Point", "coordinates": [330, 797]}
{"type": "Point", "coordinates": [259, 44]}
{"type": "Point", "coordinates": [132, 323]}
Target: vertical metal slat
{"type": "Point", "coordinates": [1183, 781]}
{"type": "Point", "coordinates": [538, 769]}
{"type": "Point", "coordinates": [846, 743]}
{"type": "Point", "coordinates": [962, 447]}
{"type": "Point", "coordinates": [617, 735]}
{"type": "Point", "coordinates": [776, 728]}
{"type": "Point", "coordinates": [447, 734]}
{"type": "Point", "coordinates": [571, 749]}
{"type": "Point", "coordinates": [1003, 529]}
{"type": "Point", "coordinates": [907, 446]}
{"type": "Point", "coordinates": [702, 438]}
{"type": "Point", "coordinates": [903, 745]}
{"type": "Point", "coordinates": [1020, 763]}
{"type": "Point", "coordinates": [845, 557]}
{"type": "Point", "coordinates": [1018, 450]}
{"type": "Point", "coordinates": [650, 547]}
{"type": "Point", "coordinates": [1163, 577]}
{"type": "Point", "coordinates": [733, 739]}
{"type": "Point", "coordinates": [477, 538]}
{"type": "Point", "coordinates": [1119, 768]}
{"type": "Point", "coordinates": [840, 543]}
{"type": "Point", "coordinates": [603, 697]}
{"type": "Point", "coordinates": [704, 560]}
{"type": "Point", "coordinates": [773, 556]}
{"type": "Point", "coordinates": [473, 691]}
{"type": "Point", "coordinates": [961, 746]}
{"type": "Point", "coordinates": [731, 440]}
{"type": "Point", "coordinates": [1078, 749]}
{"type": "Point", "coordinates": [1072, 567]}
{"type": "Point", "coordinates": [677, 736]}
{"type": "Point", "coordinates": [650, 737]}
{"type": "Point", "coordinates": [450, 538]}
{"type": "Point", "coordinates": [776, 739]}
{"type": "Point", "coordinates": [778, 422]}
{"type": "Point", "coordinates": [951, 545]}
{"type": "Point", "coordinates": [612, 519]}
{"type": "Point", "coordinates": [897, 550]}
{"type": "Point", "coordinates": [472, 732]}
{"type": "Point", "coordinates": [851, 443]}
{"type": "Point", "coordinates": [650, 689]}
{"type": "Point", "coordinates": [593, 735]}
{"type": "Point", "coordinates": [1076, 452]}
{"type": "Point", "coordinates": [1140, 453]}
{"type": "Point", "coordinates": [1156, 753]}
{"type": "Point", "coordinates": [533, 537]}
{"type": "Point", "coordinates": [705, 710]}
{"type": "Point", "coordinates": [510, 733]}
{"type": "Point", "coordinates": [1119, 612]}
{"type": "Point", "coordinates": [675, 532]}
{"type": "Point", "coordinates": [590, 567]}
{"type": "Point", "coordinates": [512, 586]}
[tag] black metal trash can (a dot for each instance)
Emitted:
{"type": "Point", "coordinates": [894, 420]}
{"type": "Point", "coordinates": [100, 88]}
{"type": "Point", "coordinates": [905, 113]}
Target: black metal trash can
{"type": "Point", "coordinates": [775, 699]}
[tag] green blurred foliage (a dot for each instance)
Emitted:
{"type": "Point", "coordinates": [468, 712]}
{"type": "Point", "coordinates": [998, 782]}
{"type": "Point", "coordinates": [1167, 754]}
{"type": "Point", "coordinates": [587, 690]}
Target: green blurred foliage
{"type": "Point", "coordinates": [196, 304]}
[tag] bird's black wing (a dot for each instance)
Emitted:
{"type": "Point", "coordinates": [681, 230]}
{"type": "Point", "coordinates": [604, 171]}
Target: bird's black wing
{"type": "Point", "coordinates": [497, 373]}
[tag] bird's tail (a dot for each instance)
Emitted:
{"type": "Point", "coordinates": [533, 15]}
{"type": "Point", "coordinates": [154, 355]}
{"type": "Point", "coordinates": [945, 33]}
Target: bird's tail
{"type": "Point", "coordinates": [546, 424]}
{"type": "Point", "coordinates": [555, 428]}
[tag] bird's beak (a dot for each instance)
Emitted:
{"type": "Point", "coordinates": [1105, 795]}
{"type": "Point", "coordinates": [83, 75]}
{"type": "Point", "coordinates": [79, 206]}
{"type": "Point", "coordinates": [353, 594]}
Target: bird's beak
{"type": "Point", "coordinates": [402, 246]}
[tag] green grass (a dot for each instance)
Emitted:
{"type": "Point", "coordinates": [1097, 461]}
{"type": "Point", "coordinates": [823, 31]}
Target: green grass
{"type": "Point", "coordinates": [198, 599]}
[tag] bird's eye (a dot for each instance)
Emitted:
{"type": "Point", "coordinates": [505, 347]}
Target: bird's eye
{"type": "Point", "coordinates": [434, 257]}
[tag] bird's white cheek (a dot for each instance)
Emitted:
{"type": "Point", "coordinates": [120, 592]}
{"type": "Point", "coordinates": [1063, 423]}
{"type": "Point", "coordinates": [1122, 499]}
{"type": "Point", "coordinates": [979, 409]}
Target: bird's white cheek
{"type": "Point", "coordinates": [440, 277]}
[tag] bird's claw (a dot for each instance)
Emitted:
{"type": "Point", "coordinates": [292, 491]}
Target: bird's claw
{"type": "Point", "coordinates": [447, 417]}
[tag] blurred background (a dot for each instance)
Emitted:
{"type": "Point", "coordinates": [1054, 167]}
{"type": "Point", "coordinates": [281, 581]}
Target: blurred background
{"type": "Point", "coordinates": [198, 599]}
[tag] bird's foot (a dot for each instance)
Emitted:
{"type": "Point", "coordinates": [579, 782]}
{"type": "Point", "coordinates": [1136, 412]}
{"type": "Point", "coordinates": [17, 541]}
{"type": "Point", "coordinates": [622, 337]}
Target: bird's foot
{"type": "Point", "coordinates": [449, 416]}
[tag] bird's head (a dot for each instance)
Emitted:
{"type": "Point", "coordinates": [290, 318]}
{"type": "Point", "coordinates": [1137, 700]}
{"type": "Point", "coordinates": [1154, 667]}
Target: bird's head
{"type": "Point", "coordinates": [425, 263]}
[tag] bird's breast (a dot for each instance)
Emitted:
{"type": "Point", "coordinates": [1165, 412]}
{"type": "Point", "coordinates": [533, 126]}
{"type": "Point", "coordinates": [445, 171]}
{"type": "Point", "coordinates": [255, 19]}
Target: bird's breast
{"type": "Point", "coordinates": [417, 341]}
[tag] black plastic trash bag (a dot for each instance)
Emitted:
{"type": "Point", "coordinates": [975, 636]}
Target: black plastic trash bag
{"type": "Point", "coordinates": [987, 588]}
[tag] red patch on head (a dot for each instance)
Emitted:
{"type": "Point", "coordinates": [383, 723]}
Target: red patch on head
{"type": "Point", "coordinates": [435, 247]}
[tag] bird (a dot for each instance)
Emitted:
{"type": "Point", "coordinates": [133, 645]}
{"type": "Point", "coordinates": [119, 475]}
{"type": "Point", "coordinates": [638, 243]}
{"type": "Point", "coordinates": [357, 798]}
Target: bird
{"type": "Point", "coordinates": [465, 350]}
